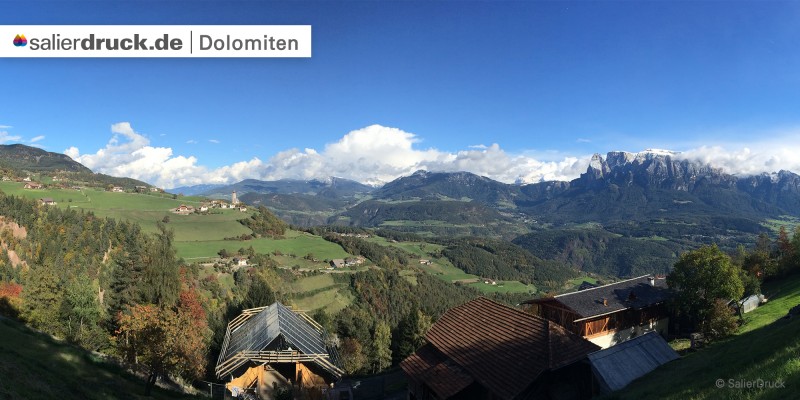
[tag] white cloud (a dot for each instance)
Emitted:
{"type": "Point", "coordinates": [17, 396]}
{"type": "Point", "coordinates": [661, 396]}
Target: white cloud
{"type": "Point", "coordinates": [215, 141]}
{"type": "Point", "coordinates": [381, 154]}
{"type": "Point", "coordinates": [5, 137]}
{"type": "Point", "coordinates": [750, 158]}
{"type": "Point", "coordinates": [191, 141]}
{"type": "Point", "coordinates": [6, 126]}
{"type": "Point", "coordinates": [583, 140]}
{"type": "Point", "coordinates": [36, 139]}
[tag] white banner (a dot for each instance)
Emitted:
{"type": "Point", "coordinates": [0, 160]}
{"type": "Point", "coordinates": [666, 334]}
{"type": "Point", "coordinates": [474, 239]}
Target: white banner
{"type": "Point", "coordinates": [218, 41]}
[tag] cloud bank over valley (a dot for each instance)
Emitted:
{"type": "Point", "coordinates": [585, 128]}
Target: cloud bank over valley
{"type": "Point", "coordinates": [377, 154]}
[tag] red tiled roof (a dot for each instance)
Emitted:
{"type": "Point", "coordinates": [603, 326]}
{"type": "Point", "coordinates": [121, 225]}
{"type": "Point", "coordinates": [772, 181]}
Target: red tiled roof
{"type": "Point", "coordinates": [502, 348]}
{"type": "Point", "coordinates": [431, 367]}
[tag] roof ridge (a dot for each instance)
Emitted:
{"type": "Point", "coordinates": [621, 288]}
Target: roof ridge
{"type": "Point", "coordinates": [518, 310]}
{"type": "Point", "coordinates": [600, 287]}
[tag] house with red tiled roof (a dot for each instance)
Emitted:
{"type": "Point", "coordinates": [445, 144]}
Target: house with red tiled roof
{"type": "Point", "coordinates": [487, 350]}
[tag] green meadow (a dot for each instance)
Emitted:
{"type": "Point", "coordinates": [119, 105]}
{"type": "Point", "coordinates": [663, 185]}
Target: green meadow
{"type": "Point", "coordinates": [444, 269]}
{"type": "Point", "coordinates": [294, 242]}
{"type": "Point", "coordinates": [35, 366]}
{"type": "Point", "coordinates": [196, 235]}
{"type": "Point", "coordinates": [767, 347]}
{"type": "Point", "coordinates": [201, 236]}
{"type": "Point", "coordinates": [320, 291]}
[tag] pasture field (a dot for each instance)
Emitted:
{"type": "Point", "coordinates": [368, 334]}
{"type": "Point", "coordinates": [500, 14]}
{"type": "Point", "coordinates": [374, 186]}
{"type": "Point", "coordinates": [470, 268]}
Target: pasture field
{"type": "Point", "coordinates": [332, 300]}
{"type": "Point", "coordinates": [766, 348]}
{"type": "Point", "coordinates": [504, 287]}
{"type": "Point", "coordinates": [310, 283]}
{"type": "Point", "coordinates": [320, 291]}
{"type": "Point", "coordinates": [196, 235]}
{"type": "Point", "coordinates": [419, 249]}
{"type": "Point", "coordinates": [444, 269]}
{"type": "Point", "coordinates": [788, 222]}
{"type": "Point", "coordinates": [61, 196]}
{"type": "Point", "coordinates": [294, 242]}
{"type": "Point", "coordinates": [577, 281]}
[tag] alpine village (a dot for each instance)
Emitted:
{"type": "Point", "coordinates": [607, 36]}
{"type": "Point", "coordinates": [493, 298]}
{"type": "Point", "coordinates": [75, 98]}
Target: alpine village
{"type": "Point", "coordinates": [649, 276]}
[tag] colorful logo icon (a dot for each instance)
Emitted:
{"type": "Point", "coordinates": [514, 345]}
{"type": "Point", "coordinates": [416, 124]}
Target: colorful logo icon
{"type": "Point", "coordinates": [20, 41]}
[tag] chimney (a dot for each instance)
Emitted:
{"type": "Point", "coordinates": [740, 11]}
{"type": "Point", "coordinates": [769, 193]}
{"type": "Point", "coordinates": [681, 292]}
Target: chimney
{"type": "Point", "coordinates": [652, 280]}
{"type": "Point", "coordinates": [605, 301]}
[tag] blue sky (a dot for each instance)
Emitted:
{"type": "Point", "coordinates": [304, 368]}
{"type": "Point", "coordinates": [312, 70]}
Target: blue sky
{"type": "Point", "coordinates": [547, 82]}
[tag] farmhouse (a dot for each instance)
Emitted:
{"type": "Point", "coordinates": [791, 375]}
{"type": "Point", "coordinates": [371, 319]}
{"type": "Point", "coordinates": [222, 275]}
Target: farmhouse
{"type": "Point", "coordinates": [47, 201]}
{"type": "Point", "coordinates": [183, 209]}
{"type": "Point", "coordinates": [609, 314]}
{"type": "Point", "coordinates": [33, 185]}
{"type": "Point", "coordinates": [117, 189]}
{"type": "Point", "coordinates": [141, 189]}
{"type": "Point", "coordinates": [337, 263]}
{"type": "Point", "coordinates": [487, 350]}
{"type": "Point", "coordinates": [273, 347]}
{"type": "Point", "coordinates": [240, 261]}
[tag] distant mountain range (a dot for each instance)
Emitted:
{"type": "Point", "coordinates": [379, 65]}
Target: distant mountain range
{"type": "Point", "coordinates": [629, 213]}
{"type": "Point", "coordinates": [621, 186]}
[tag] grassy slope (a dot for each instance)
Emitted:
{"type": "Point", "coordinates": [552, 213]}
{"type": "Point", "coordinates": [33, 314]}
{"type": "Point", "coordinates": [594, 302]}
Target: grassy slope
{"type": "Point", "coordinates": [767, 347]}
{"type": "Point", "coordinates": [298, 243]}
{"type": "Point", "coordinates": [195, 235]}
{"type": "Point", "coordinates": [444, 269]}
{"type": "Point", "coordinates": [201, 236]}
{"type": "Point", "coordinates": [34, 366]}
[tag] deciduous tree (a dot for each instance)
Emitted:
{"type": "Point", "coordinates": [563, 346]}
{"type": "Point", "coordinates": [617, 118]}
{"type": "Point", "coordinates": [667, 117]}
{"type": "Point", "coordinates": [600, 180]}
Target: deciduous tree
{"type": "Point", "coordinates": [157, 339]}
{"type": "Point", "coordinates": [701, 277]}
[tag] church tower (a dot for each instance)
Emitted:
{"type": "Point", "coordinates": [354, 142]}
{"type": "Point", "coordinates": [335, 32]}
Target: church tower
{"type": "Point", "coordinates": [234, 200]}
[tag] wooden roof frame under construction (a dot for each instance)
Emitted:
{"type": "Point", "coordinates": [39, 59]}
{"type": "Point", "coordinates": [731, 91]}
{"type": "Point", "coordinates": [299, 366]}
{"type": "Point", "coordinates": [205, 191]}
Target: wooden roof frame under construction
{"type": "Point", "coordinates": [276, 334]}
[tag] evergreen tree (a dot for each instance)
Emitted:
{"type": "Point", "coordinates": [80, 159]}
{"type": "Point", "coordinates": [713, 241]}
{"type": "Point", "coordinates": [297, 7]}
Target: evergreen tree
{"type": "Point", "coordinates": [42, 298]}
{"type": "Point", "coordinates": [381, 353]}
{"type": "Point", "coordinates": [260, 293]}
{"type": "Point", "coordinates": [161, 279]}
{"type": "Point", "coordinates": [82, 314]}
{"type": "Point", "coordinates": [127, 272]}
{"type": "Point", "coordinates": [411, 332]}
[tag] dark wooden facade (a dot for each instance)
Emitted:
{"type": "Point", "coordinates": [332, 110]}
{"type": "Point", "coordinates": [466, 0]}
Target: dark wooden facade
{"type": "Point", "coordinates": [600, 325]}
{"type": "Point", "coordinates": [623, 309]}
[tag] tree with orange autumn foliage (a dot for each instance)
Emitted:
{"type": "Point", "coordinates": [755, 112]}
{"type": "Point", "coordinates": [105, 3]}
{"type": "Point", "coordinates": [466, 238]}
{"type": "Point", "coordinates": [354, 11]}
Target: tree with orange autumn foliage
{"type": "Point", "coordinates": [158, 339]}
{"type": "Point", "coordinates": [10, 301]}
